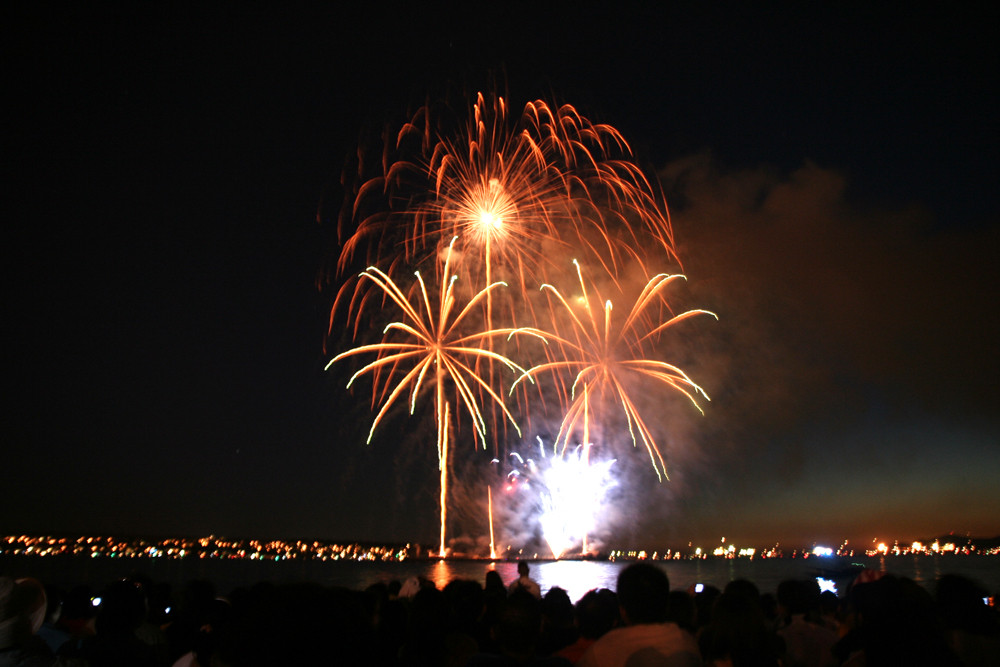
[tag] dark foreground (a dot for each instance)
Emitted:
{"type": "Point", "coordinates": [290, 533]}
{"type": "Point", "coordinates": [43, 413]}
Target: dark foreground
{"type": "Point", "coordinates": [881, 620]}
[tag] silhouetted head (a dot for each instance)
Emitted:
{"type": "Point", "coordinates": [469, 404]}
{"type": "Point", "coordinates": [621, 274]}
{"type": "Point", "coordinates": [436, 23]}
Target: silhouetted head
{"type": "Point", "coordinates": [743, 588]}
{"type": "Point", "coordinates": [123, 608]}
{"type": "Point", "coordinates": [960, 602]}
{"type": "Point", "coordinates": [597, 612]}
{"type": "Point", "coordinates": [738, 631]}
{"type": "Point", "coordinates": [22, 610]}
{"type": "Point", "coordinates": [465, 603]}
{"type": "Point", "coordinates": [522, 568]}
{"type": "Point", "coordinates": [519, 625]}
{"type": "Point", "coordinates": [557, 607]}
{"type": "Point", "coordinates": [494, 584]}
{"type": "Point", "coordinates": [899, 623]}
{"type": "Point", "coordinates": [643, 592]}
{"type": "Point", "coordinates": [797, 597]}
{"type": "Point", "coordinates": [681, 610]}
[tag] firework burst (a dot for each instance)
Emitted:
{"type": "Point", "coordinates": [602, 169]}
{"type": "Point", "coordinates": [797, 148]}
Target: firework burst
{"type": "Point", "coordinates": [571, 491]}
{"type": "Point", "coordinates": [608, 358]}
{"type": "Point", "coordinates": [501, 199]}
{"type": "Point", "coordinates": [513, 188]}
{"type": "Point", "coordinates": [430, 345]}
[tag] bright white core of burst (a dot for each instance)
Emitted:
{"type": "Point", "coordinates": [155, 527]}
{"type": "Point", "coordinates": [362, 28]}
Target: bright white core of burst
{"type": "Point", "coordinates": [488, 219]}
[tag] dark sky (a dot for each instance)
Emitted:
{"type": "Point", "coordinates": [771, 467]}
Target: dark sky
{"type": "Point", "coordinates": [831, 176]}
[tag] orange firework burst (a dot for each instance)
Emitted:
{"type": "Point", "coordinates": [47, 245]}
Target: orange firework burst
{"type": "Point", "coordinates": [512, 190]}
{"type": "Point", "coordinates": [521, 191]}
{"type": "Point", "coordinates": [606, 358]}
{"type": "Point", "coordinates": [430, 344]}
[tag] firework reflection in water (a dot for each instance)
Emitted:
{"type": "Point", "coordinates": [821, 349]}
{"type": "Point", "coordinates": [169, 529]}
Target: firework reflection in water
{"type": "Point", "coordinates": [571, 491]}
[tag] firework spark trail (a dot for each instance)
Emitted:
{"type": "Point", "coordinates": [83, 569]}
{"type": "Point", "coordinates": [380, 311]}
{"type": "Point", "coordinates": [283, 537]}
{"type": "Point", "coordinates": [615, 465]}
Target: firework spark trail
{"type": "Point", "coordinates": [431, 340]}
{"type": "Point", "coordinates": [489, 503]}
{"type": "Point", "coordinates": [606, 358]}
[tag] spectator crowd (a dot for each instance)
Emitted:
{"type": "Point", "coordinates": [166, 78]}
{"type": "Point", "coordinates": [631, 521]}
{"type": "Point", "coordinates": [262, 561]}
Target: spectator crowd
{"type": "Point", "coordinates": [881, 620]}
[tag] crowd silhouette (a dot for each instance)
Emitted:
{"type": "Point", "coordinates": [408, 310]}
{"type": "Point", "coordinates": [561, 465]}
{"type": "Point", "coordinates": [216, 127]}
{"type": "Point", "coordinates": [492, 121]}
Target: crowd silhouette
{"type": "Point", "coordinates": [881, 620]}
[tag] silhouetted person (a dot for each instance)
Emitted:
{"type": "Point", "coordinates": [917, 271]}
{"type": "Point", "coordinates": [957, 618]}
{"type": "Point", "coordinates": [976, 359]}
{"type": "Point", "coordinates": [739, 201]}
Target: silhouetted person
{"type": "Point", "coordinates": [648, 639]}
{"type": "Point", "coordinates": [745, 589]}
{"type": "Point", "coordinates": [517, 630]}
{"type": "Point", "coordinates": [895, 623]}
{"type": "Point", "coordinates": [703, 603]}
{"type": "Point", "coordinates": [807, 644]}
{"type": "Point", "coordinates": [50, 632]}
{"type": "Point", "coordinates": [425, 635]}
{"type": "Point", "coordinates": [558, 628]}
{"type": "Point", "coordinates": [973, 628]}
{"type": "Point", "coordinates": [22, 612]}
{"type": "Point", "coordinates": [189, 617]}
{"type": "Point", "coordinates": [122, 611]}
{"type": "Point", "coordinates": [681, 610]}
{"type": "Point", "coordinates": [494, 585]}
{"type": "Point", "coordinates": [524, 581]}
{"type": "Point", "coordinates": [738, 635]}
{"type": "Point", "coordinates": [596, 613]}
{"type": "Point", "coordinates": [829, 608]}
{"type": "Point", "coordinates": [465, 613]}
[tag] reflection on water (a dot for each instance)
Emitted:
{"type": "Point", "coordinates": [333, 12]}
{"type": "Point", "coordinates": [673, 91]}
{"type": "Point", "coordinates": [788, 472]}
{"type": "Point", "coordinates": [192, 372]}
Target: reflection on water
{"type": "Point", "coordinates": [441, 573]}
{"type": "Point", "coordinates": [578, 577]}
{"type": "Point", "coordinates": [575, 577]}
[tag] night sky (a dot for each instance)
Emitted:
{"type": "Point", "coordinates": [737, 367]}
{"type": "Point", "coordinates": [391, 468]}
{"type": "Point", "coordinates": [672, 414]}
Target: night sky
{"type": "Point", "coordinates": [832, 177]}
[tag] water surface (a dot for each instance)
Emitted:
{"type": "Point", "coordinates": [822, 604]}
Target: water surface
{"type": "Point", "coordinates": [576, 577]}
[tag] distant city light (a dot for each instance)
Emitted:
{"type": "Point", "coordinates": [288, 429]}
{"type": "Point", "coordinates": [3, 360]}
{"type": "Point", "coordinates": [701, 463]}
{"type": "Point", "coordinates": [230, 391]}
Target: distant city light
{"type": "Point", "coordinates": [213, 547]}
